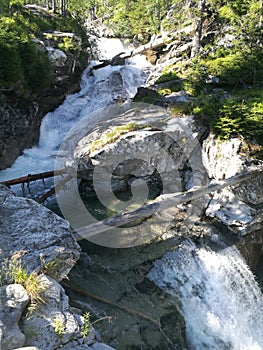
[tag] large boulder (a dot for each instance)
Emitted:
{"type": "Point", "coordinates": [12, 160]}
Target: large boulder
{"type": "Point", "coordinates": [143, 143]}
{"type": "Point", "coordinates": [32, 232]}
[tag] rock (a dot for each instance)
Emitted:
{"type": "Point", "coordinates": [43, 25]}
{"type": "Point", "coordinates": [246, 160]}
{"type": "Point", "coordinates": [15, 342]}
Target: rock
{"type": "Point", "coordinates": [251, 191]}
{"type": "Point", "coordinates": [28, 348]}
{"type": "Point", "coordinates": [239, 207]}
{"type": "Point", "coordinates": [46, 244]}
{"type": "Point", "coordinates": [100, 346]}
{"type": "Point", "coordinates": [33, 232]}
{"type": "Point", "coordinates": [14, 299]}
{"type": "Point", "coordinates": [151, 56]}
{"type": "Point", "coordinates": [18, 117]}
{"type": "Point", "coordinates": [223, 159]}
{"type": "Point", "coordinates": [158, 149]}
{"type": "Point", "coordinates": [57, 56]}
{"type": "Point", "coordinates": [227, 208]}
{"type": "Point", "coordinates": [177, 97]}
{"type": "Point", "coordinates": [55, 310]}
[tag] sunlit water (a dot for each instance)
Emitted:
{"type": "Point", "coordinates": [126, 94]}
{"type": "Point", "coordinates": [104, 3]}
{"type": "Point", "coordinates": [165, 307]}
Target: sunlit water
{"type": "Point", "coordinates": [221, 302]}
{"type": "Point", "coordinates": [99, 88]}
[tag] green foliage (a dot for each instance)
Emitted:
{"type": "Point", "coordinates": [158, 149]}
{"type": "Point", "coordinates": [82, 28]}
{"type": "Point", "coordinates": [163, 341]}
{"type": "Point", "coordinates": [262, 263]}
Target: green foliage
{"type": "Point", "coordinates": [86, 325]}
{"type": "Point", "coordinates": [113, 135]}
{"type": "Point", "coordinates": [22, 66]}
{"type": "Point", "coordinates": [167, 76]}
{"type": "Point", "coordinates": [233, 116]}
{"type": "Point", "coordinates": [59, 328]}
{"type": "Point", "coordinates": [68, 45]}
{"type": "Point", "coordinates": [12, 271]}
{"type": "Point", "coordinates": [226, 13]}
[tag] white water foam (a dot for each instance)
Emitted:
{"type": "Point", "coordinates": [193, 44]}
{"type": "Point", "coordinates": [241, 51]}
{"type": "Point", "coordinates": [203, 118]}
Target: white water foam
{"type": "Point", "coordinates": [220, 300]}
{"type": "Point", "coordinates": [99, 88]}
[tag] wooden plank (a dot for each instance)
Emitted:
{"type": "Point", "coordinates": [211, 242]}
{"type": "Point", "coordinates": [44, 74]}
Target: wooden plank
{"type": "Point", "coordinates": [161, 203]}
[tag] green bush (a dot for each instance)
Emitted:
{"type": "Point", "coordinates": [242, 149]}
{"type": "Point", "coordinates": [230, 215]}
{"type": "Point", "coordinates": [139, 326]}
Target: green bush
{"type": "Point", "coordinates": [22, 66]}
{"type": "Point", "coordinates": [233, 116]}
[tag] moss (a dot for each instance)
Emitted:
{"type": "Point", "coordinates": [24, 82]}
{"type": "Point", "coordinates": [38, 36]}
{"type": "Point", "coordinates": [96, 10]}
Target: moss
{"type": "Point", "coordinates": [113, 135]}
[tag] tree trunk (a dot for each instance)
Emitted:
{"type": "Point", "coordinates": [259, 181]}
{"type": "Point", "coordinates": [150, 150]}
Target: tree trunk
{"type": "Point", "coordinates": [198, 28]}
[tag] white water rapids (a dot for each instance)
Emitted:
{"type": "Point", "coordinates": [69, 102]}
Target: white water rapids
{"type": "Point", "coordinates": [220, 300]}
{"type": "Point", "coordinates": [99, 88]}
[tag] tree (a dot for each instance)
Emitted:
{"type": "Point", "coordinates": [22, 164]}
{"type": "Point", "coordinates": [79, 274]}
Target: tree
{"type": "Point", "coordinates": [200, 15]}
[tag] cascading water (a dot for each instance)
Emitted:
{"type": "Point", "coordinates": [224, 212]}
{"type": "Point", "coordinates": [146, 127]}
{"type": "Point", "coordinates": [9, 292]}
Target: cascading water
{"type": "Point", "coordinates": [220, 300]}
{"type": "Point", "coordinates": [99, 88]}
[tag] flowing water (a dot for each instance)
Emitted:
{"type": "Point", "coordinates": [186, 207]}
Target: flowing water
{"type": "Point", "coordinates": [220, 301]}
{"type": "Point", "coordinates": [99, 88]}
{"type": "Point", "coordinates": [214, 290]}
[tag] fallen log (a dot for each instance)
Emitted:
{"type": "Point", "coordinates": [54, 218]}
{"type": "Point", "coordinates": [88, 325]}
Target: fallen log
{"type": "Point", "coordinates": [54, 189]}
{"type": "Point", "coordinates": [161, 203]}
{"type": "Point", "coordinates": [152, 45]}
{"type": "Point", "coordinates": [32, 177]}
{"type": "Point", "coordinates": [117, 60]}
{"type": "Point", "coordinates": [109, 302]}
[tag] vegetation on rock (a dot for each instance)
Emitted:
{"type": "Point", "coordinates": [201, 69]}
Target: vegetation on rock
{"type": "Point", "coordinates": [12, 271]}
{"type": "Point", "coordinates": [24, 64]}
{"type": "Point", "coordinates": [112, 135]}
{"type": "Point", "coordinates": [224, 75]}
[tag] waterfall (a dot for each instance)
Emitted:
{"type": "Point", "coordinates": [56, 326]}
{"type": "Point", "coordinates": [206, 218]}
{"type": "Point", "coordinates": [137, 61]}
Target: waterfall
{"type": "Point", "coordinates": [99, 88]}
{"type": "Point", "coordinates": [221, 303]}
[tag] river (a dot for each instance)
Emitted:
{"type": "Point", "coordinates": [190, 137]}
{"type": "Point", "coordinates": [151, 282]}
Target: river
{"type": "Point", "coordinates": [189, 298]}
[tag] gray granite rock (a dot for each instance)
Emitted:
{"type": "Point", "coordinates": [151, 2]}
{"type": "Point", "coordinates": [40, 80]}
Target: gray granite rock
{"type": "Point", "coordinates": [33, 232]}
{"type": "Point", "coordinates": [13, 302]}
{"type": "Point", "coordinates": [41, 328]}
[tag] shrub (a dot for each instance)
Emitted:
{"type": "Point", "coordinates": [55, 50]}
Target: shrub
{"type": "Point", "coordinates": [22, 66]}
{"type": "Point", "coordinates": [232, 116]}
